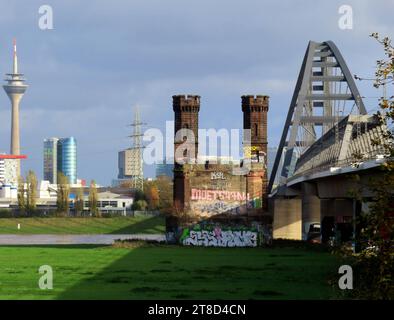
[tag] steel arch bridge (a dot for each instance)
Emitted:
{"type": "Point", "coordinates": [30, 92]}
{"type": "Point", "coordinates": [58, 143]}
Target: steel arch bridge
{"type": "Point", "coordinates": [324, 98]}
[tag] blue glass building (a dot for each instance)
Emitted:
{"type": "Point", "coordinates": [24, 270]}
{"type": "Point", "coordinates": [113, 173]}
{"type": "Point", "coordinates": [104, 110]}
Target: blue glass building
{"type": "Point", "coordinates": [165, 169]}
{"type": "Point", "coordinates": [50, 159]}
{"type": "Point", "coordinates": [67, 158]}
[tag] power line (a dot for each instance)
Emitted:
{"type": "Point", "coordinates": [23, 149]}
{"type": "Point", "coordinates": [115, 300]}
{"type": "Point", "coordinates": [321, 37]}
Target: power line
{"type": "Point", "coordinates": [137, 180]}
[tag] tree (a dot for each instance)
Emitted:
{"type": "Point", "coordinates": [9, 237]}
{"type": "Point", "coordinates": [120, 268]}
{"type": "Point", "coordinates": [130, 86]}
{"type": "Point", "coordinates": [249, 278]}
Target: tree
{"type": "Point", "coordinates": [31, 197]}
{"type": "Point", "coordinates": [93, 201]}
{"type": "Point", "coordinates": [153, 197]}
{"type": "Point", "coordinates": [21, 195]}
{"type": "Point", "coordinates": [79, 201]}
{"type": "Point", "coordinates": [140, 205]}
{"type": "Point", "coordinates": [158, 193]}
{"type": "Point", "coordinates": [63, 193]}
{"type": "Point", "coordinates": [165, 189]}
{"type": "Point", "coordinates": [140, 200]}
{"type": "Point", "coordinates": [375, 262]}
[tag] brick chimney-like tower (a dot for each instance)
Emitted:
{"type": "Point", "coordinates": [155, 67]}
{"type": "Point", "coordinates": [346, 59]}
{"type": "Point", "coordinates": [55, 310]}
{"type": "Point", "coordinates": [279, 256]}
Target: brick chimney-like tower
{"type": "Point", "coordinates": [186, 108]}
{"type": "Point", "coordinates": [255, 109]}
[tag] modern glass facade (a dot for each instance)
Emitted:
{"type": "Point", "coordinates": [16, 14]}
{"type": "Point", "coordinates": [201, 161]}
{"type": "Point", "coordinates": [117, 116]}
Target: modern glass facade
{"type": "Point", "coordinates": [50, 159]}
{"type": "Point", "coordinates": [165, 169]}
{"type": "Point", "coordinates": [67, 158]}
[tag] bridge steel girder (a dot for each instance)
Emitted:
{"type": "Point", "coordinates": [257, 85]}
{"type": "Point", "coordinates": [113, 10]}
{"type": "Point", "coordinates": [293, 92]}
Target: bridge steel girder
{"type": "Point", "coordinates": [290, 113]}
{"type": "Point", "coordinates": [348, 76]}
{"type": "Point", "coordinates": [295, 117]}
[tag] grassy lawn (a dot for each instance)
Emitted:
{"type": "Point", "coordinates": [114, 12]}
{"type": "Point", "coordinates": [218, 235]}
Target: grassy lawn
{"type": "Point", "coordinates": [167, 272]}
{"type": "Point", "coordinates": [119, 225]}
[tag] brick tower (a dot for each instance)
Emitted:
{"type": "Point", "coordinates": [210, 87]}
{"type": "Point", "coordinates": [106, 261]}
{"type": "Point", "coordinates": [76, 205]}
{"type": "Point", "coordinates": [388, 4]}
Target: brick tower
{"type": "Point", "coordinates": [255, 109]}
{"type": "Point", "coordinates": [186, 108]}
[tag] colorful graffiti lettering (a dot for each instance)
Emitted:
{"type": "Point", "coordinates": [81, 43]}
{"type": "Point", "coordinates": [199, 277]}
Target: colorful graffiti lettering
{"type": "Point", "coordinates": [219, 238]}
{"type": "Point", "coordinates": [216, 207]}
{"type": "Point", "coordinates": [255, 203]}
{"type": "Point", "coordinates": [198, 194]}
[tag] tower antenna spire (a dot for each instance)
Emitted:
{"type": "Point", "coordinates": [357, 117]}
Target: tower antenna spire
{"type": "Point", "coordinates": [15, 69]}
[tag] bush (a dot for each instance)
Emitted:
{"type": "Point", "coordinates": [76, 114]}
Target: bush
{"type": "Point", "coordinates": [371, 281]}
{"type": "Point", "coordinates": [139, 205]}
{"type": "Point", "coordinates": [111, 215]}
{"type": "Point", "coordinates": [6, 213]}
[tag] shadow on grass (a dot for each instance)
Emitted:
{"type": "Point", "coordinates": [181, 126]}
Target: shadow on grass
{"type": "Point", "coordinates": [172, 272]}
{"type": "Point", "coordinates": [155, 224]}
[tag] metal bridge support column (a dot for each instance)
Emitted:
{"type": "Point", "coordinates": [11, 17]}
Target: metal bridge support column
{"type": "Point", "coordinates": [311, 207]}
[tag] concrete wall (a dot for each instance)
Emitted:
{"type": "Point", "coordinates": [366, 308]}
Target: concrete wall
{"type": "Point", "coordinates": [287, 219]}
{"type": "Point", "coordinates": [311, 207]}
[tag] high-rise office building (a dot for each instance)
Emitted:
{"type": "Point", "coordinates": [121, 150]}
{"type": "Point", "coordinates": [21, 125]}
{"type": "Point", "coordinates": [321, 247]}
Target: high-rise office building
{"type": "Point", "coordinates": [67, 158]}
{"type": "Point", "coordinates": [60, 155]}
{"type": "Point", "coordinates": [9, 169]}
{"type": "Point", "coordinates": [9, 174]}
{"type": "Point", "coordinates": [128, 169]}
{"type": "Point", "coordinates": [165, 169]}
{"type": "Point", "coordinates": [50, 159]}
{"type": "Point", "coordinates": [130, 164]}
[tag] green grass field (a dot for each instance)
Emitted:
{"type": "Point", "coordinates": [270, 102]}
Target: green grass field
{"type": "Point", "coordinates": [119, 225]}
{"type": "Point", "coordinates": [167, 272]}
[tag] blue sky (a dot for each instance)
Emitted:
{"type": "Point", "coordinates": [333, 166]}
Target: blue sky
{"type": "Point", "coordinates": [104, 57]}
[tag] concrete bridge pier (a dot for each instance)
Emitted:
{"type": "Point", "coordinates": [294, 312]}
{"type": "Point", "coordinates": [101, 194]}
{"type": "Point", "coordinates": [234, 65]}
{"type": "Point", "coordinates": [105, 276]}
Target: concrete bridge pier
{"type": "Point", "coordinates": [287, 215]}
{"type": "Point", "coordinates": [339, 213]}
{"type": "Point", "coordinates": [294, 211]}
{"type": "Point", "coordinates": [311, 207]}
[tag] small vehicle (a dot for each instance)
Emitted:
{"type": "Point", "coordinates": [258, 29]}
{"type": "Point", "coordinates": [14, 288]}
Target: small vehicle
{"type": "Point", "coordinates": [314, 235]}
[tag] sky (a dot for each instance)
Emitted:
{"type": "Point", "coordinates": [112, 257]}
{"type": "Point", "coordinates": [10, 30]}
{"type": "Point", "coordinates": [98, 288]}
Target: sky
{"type": "Point", "coordinates": [102, 58]}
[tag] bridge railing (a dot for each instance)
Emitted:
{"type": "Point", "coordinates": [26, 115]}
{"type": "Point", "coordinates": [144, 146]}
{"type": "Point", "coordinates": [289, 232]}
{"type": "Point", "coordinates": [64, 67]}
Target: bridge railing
{"type": "Point", "coordinates": [356, 161]}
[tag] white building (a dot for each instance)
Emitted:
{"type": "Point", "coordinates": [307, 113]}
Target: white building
{"type": "Point", "coordinates": [109, 202]}
{"type": "Point", "coordinates": [9, 168]}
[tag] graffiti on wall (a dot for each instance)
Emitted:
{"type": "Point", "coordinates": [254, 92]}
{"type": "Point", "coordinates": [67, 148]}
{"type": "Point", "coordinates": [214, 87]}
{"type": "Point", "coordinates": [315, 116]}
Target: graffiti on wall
{"type": "Point", "coordinates": [218, 192]}
{"type": "Point", "coordinates": [202, 194]}
{"type": "Point", "coordinates": [219, 238]}
{"type": "Point", "coordinates": [217, 175]}
{"type": "Point", "coordinates": [255, 154]}
{"type": "Point", "coordinates": [210, 208]}
{"type": "Point", "coordinates": [255, 203]}
{"type": "Point", "coordinates": [218, 207]}
{"type": "Point", "coordinates": [208, 202]}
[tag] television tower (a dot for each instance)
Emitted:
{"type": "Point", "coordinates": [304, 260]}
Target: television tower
{"type": "Point", "coordinates": [15, 88]}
